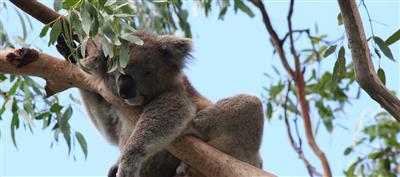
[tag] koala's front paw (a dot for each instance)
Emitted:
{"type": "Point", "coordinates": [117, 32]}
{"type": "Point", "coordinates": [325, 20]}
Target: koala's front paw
{"type": "Point", "coordinates": [113, 171]}
{"type": "Point", "coordinates": [127, 170]}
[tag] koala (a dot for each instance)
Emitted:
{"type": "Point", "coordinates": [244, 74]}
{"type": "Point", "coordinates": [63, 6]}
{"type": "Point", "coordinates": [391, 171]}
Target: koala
{"type": "Point", "coordinates": [153, 81]}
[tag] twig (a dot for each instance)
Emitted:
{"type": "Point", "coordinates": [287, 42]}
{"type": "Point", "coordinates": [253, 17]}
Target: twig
{"type": "Point", "coordinates": [298, 78]}
{"type": "Point", "coordinates": [294, 31]}
{"type": "Point", "coordinates": [276, 42]}
{"type": "Point", "coordinates": [297, 148]}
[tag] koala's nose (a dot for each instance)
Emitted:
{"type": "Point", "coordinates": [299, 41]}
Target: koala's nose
{"type": "Point", "coordinates": [126, 87]}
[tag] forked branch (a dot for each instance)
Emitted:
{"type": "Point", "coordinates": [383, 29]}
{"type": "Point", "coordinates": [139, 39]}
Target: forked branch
{"type": "Point", "coordinates": [296, 75]}
{"type": "Point", "coordinates": [363, 66]}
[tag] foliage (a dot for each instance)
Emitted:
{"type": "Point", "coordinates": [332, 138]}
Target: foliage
{"type": "Point", "coordinates": [377, 148]}
{"type": "Point", "coordinates": [26, 102]}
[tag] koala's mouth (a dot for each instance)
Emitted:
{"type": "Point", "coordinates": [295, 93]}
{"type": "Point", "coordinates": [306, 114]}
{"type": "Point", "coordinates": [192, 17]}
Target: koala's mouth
{"type": "Point", "coordinates": [135, 101]}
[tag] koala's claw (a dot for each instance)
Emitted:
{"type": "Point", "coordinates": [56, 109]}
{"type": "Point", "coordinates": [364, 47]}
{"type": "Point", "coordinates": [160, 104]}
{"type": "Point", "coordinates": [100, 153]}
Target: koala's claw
{"type": "Point", "coordinates": [113, 171]}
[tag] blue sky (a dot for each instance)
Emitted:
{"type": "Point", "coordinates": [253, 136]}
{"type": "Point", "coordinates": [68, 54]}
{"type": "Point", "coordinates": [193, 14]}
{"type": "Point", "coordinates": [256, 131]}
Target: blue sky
{"type": "Point", "coordinates": [231, 57]}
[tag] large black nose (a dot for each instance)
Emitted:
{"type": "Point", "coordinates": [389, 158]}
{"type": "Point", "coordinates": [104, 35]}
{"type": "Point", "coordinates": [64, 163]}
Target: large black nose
{"type": "Point", "coordinates": [126, 87]}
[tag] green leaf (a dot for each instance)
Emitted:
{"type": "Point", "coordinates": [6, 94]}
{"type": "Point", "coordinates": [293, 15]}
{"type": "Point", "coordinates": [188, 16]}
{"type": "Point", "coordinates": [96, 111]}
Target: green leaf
{"type": "Point", "coordinates": [86, 20]}
{"type": "Point", "coordinates": [57, 5]}
{"type": "Point", "coordinates": [83, 46]}
{"type": "Point", "coordinates": [393, 38]}
{"type": "Point", "coordinates": [55, 31]}
{"type": "Point", "coordinates": [124, 57]}
{"type": "Point", "coordinates": [14, 126]}
{"type": "Point", "coordinates": [42, 115]}
{"type": "Point", "coordinates": [375, 155]}
{"type": "Point", "coordinates": [223, 12]}
{"type": "Point", "coordinates": [340, 67]}
{"type": "Point", "coordinates": [377, 52]}
{"type": "Point", "coordinates": [55, 108]}
{"type": "Point", "coordinates": [66, 116]}
{"type": "Point", "coordinates": [110, 2]}
{"type": "Point", "coordinates": [82, 143]}
{"type": "Point", "coordinates": [67, 137]}
{"type": "Point", "coordinates": [238, 4]}
{"type": "Point", "coordinates": [329, 51]}
{"type": "Point", "coordinates": [381, 75]}
{"type": "Point", "coordinates": [13, 89]}
{"type": "Point", "coordinates": [340, 19]}
{"type": "Point", "coordinates": [350, 171]}
{"type": "Point", "coordinates": [107, 48]}
{"type": "Point", "coordinates": [384, 48]}
{"type": "Point", "coordinates": [348, 150]}
{"type": "Point", "coordinates": [132, 38]}
{"type": "Point", "coordinates": [108, 31]}
{"type": "Point", "coordinates": [68, 4]}
{"type": "Point", "coordinates": [44, 30]}
{"type": "Point", "coordinates": [269, 110]}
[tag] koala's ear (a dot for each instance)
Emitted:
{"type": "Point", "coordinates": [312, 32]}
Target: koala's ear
{"type": "Point", "coordinates": [175, 49]}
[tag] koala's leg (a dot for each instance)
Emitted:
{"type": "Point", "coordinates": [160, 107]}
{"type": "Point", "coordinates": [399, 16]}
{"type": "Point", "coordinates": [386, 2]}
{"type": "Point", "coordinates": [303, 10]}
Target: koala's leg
{"type": "Point", "coordinates": [233, 125]}
{"type": "Point", "coordinates": [161, 122]}
{"type": "Point", "coordinates": [104, 116]}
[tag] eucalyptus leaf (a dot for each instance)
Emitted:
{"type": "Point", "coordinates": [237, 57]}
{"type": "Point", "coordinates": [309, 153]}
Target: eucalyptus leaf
{"type": "Point", "coordinates": [86, 18]}
{"type": "Point", "coordinates": [55, 31]}
{"type": "Point", "coordinates": [329, 51]}
{"type": "Point", "coordinates": [381, 75]}
{"type": "Point", "coordinates": [384, 48]}
{"type": "Point", "coordinates": [44, 30]}
{"type": "Point", "coordinates": [339, 68]}
{"type": "Point", "coordinates": [340, 19]}
{"type": "Point", "coordinates": [132, 38]}
{"type": "Point", "coordinates": [124, 58]}
{"type": "Point", "coordinates": [82, 142]}
{"type": "Point", "coordinates": [68, 4]}
{"type": "Point", "coordinates": [239, 4]}
{"type": "Point", "coordinates": [393, 38]}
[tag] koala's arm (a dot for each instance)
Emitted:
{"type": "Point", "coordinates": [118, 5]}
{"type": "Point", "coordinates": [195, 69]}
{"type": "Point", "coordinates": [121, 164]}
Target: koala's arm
{"type": "Point", "coordinates": [161, 122]}
{"type": "Point", "coordinates": [103, 115]}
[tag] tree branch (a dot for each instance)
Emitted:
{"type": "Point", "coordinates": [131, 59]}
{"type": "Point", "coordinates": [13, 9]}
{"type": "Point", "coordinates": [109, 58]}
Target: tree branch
{"type": "Point", "coordinates": [276, 42]}
{"type": "Point", "coordinates": [297, 77]}
{"type": "Point", "coordinates": [297, 148]}
{"type": "Point", "coordinates": [61, 75]}
{"type": "Point", "coordinates": [37, 10]}
{"type": "Point", "coordinates": [363, 66]}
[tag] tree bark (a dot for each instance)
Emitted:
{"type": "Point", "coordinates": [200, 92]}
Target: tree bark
{"type": "Point", "coordinates": [363, 66]}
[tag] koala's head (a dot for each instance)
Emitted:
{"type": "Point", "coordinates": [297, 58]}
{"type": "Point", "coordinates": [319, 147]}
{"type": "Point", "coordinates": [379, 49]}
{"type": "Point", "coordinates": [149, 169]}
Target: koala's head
{"type": "Point", "coordinates": [153, 68]}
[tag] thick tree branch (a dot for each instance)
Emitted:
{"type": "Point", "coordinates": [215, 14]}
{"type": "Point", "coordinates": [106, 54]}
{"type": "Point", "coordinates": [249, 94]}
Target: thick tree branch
{"type": "Point", "coordinates": [61, 75]}
{"type": "Point", "coordinates": [37, 10]}
{"type": "Point", "coordinates": [363, 66]}
{"type": "Point", "coordinates": [298, 79]}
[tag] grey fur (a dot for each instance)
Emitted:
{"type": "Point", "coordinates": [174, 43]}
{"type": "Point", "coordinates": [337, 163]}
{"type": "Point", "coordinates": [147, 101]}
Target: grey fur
{"type": "Point", "coordinates": [233, 125]}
